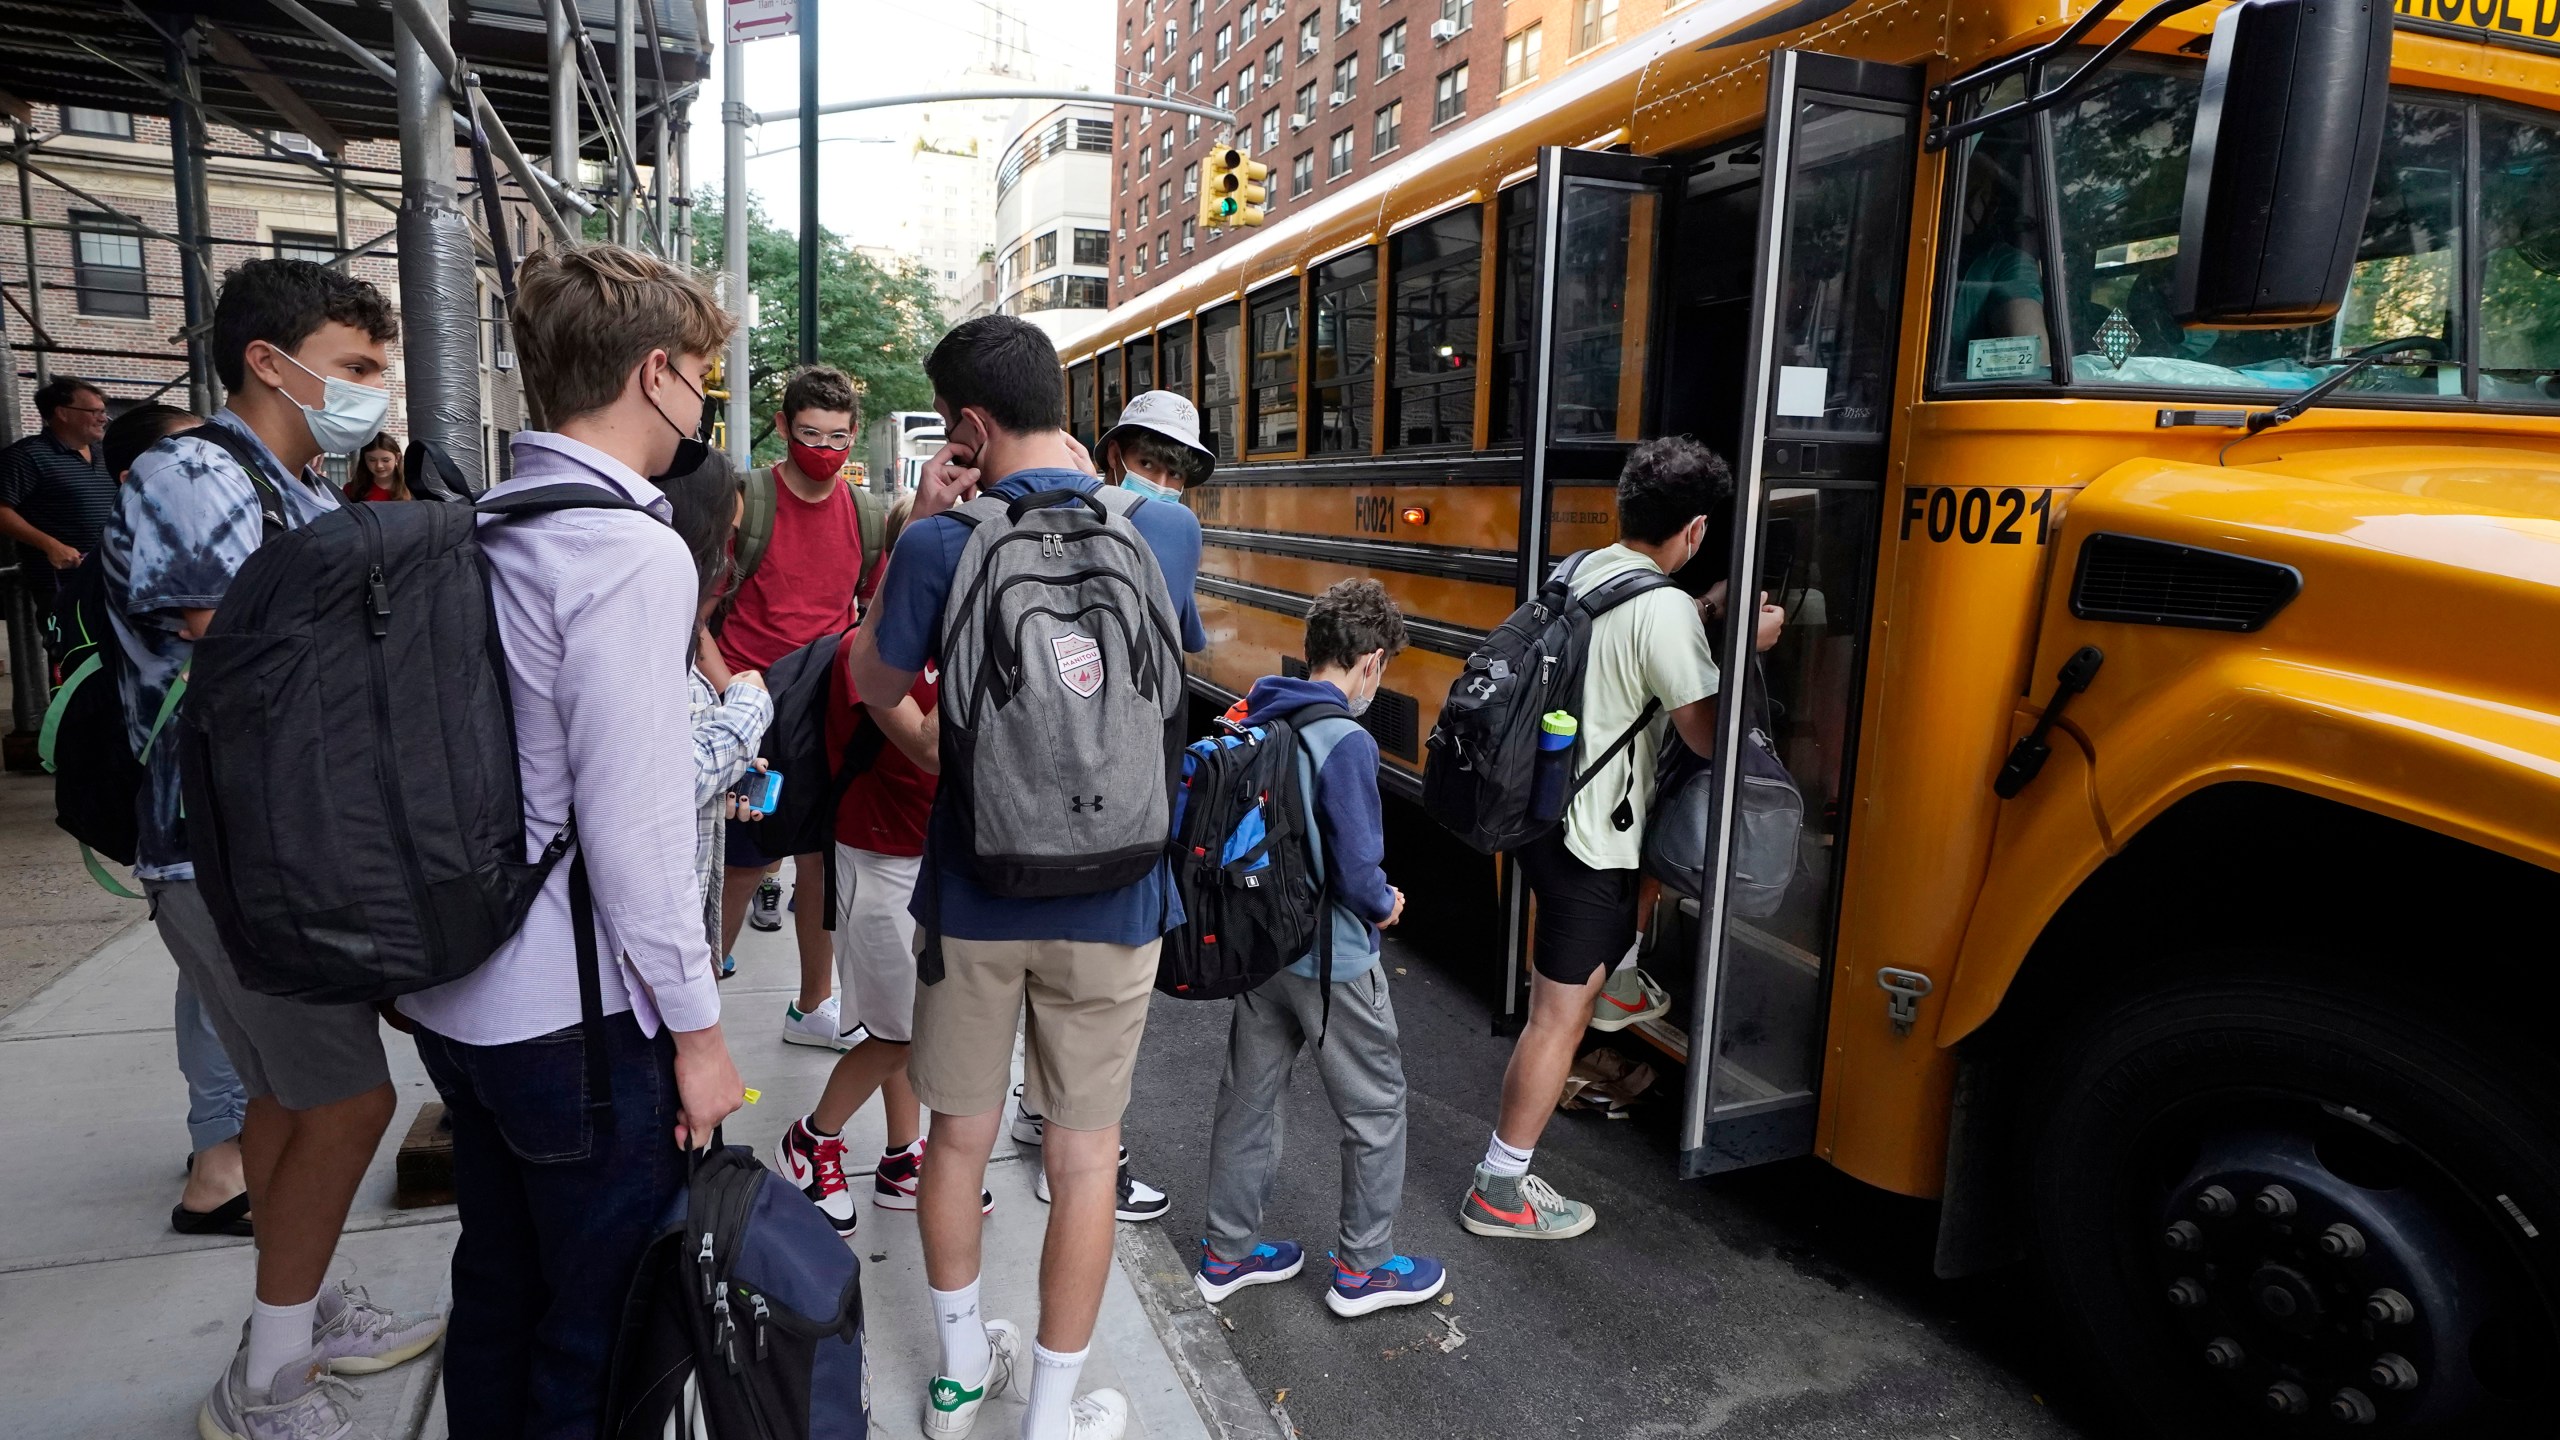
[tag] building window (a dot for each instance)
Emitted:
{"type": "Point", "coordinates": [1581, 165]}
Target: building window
{"type": "Point", "coordinates": [1190, 179]}
{"type": "Point", "coordinates": [1147, 62]}
{"type": "Point", "coordinates": [1435, 269]}
{"type": "Point", "coordinates": [1225, 99]}
{"type": "Point", "coordinates": [1449, 96]}
{"type": "Point", "coordinates": [1310, 35]}
{"type": "Point", "coordinates": [317, 246]}
{"type": "Point", "coordinates": [1044, 252]}
{"type": "Point", "coordinates": [1461, 13]}
{"type": "Point", "coordinates": [1346, 13]}
{"type": "Point", "coordinates": [1142, 258]}
{"type": "Point", "coordinates": [1164, 197]}
{"type": "Point", "coordinates": [1191, 71]}
{"type": "Point", "coordinates": [1167, 147]}
{"type": "Point", "coordinates": [1391, 49]}
{"type": "Point", "coordinates": [1271, 64]}
{"type": "Point", "coordinates": [1595, 23]}
{"type": "Point", "coordinates": [1142, 212]}
{"type": "Point", "coordinates": [106, 266]}
{"type": "Point", "coordinates": [1163, 250]}
{"type": "Point", "coordinates": [1221, 370]}
{"type": "Point", "coordinates": [1244, 26]}
{"type": "Point", "coordinates": [1302, 173]}
{"type": "Point", "coordinates": [1344, 349]}
{"type": "Point", "coordinates": [1146, 164]}
{"type": "Point", "coordinates": [1270, 130]}
{"type": "Point", "coordinates": [1171, 37]}
{"type": "Point", "coordinates": [1197, 7]}
{"type": "Point", "coordinates": [1190, 235]}
{"type": "Point", "coordinates": [1346, 78]}
{"type": "Point", "coordinates": [1272, 321]}
{"type": "Point", "coordinates": [1306, 102]}
{"type": "Point", "coordinates": [1244, 86]}
{"type": "Point", "coordinates": [1093, 135]}
{"type": "Point", "coordinates": [1337, 158]}
{"type": "Point", "coordinates": [1190, 128]}
{"type": "Point", "coordinates": [1088, 292]}
{"type": "Point", "coordinates": [1173, 359]}
{"type": "Point", "coordinates": [107, 124]}
{"type": "Point", "coordinates": [1093, 247]}
{"type": "Point", "coordinates": [1390, 128]}
{"type": "Point", "coordinates": [1520, 56]}
{"type": "Point", "coordinates": [1226, 42]}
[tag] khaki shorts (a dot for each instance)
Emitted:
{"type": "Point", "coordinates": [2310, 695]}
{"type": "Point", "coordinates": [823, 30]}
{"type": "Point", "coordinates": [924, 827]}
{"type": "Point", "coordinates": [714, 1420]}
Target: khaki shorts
{"type": "Point", "coordinates": [1088, 1005]}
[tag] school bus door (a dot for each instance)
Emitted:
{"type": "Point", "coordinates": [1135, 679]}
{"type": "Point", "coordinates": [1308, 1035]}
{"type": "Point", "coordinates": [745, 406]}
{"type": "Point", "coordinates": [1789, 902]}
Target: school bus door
{"type": "Point", "coordinates": [1838, 152]}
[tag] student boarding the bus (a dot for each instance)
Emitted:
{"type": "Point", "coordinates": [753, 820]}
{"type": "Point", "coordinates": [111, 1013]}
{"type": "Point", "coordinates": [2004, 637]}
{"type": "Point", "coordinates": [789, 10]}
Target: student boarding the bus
{"type": "Point", "coordinates": [1155, 448]}
{"type": "Point", "coordinates": [1648, 656]}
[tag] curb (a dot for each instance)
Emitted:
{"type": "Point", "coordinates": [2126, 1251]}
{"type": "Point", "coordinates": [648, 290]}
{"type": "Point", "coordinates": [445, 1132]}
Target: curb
{"type": "Point", "coordinates": [1196, 1341]}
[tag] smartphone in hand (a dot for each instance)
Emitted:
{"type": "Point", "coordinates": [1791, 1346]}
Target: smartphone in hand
{"type": "Point", "coordinates": [759, 791]}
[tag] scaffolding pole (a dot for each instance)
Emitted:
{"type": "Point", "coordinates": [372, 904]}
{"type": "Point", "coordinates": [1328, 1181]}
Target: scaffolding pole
{"type": "Point", "coordinates": [35, 287]}
{"type": "Point", "coordinates": [27, 674]}
{"type": "Point", "coordinates": [439, 289]}
{"type": "Point", "coordinates": [186, 165]}
{"type": "Point", "coordinates": [561, 52]}
{"type": "Point", "coordinates": [626, 81]}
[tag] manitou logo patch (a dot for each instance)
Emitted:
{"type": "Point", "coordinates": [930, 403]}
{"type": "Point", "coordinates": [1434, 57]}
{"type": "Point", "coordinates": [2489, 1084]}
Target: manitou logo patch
{"type": "Point", "coordinates": [1079, 662]}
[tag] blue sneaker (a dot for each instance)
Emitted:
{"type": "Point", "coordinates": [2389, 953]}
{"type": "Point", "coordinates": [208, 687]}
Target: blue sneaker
{"type": "Point", "coordinates": [1398, 1280]}
{"type": "Point", "coordinates": [1269, 1263]}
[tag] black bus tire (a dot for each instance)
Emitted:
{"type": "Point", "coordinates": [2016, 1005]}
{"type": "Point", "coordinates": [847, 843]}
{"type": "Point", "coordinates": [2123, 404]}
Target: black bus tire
{"type": "Point", "coordinates": [2422, 1135]}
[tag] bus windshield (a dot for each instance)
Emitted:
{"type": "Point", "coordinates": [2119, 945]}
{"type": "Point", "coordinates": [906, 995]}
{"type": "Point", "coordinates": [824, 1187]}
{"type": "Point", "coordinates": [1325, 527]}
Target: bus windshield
{"type": "Point", "coordinates": [2118, 159]}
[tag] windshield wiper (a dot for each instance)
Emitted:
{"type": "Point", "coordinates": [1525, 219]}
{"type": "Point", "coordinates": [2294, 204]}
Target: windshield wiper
{"type": "Point", "coordinates": [2355, 364]}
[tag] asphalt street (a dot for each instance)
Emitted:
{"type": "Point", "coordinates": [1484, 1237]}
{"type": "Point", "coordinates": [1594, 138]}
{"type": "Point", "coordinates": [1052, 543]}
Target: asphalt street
{"type": "Point", "coordinates": [1784, 1302]}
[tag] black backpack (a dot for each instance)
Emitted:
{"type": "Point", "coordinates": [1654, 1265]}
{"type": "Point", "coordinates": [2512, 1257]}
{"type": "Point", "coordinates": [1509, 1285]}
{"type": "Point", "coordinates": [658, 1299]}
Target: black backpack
{"type": "Point", "coordinates": [1254, 900]}
{"type": "Point", "coordinates": [348, 755]}
{"type": "Point", "coordinates": [98, 779]}
{"type": "Point", "coordinates": [814, 778]}
{"type": "Point", "coordinates": [745, 1319]}
{"type": "Point", "coordinates": [1483, 750]}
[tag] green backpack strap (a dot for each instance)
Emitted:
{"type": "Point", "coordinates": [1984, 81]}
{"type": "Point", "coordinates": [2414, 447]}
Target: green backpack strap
{"type": "Point", "coordinates": [168, 707]}
{"type": "Point", "coordinates": [106, 881]}
{"type": "Point", "coordinates": [52, 727]}
{"type": "Point", "coordinates": [871, 517]}
{"type": "Point", "coordinates": [755, 525]}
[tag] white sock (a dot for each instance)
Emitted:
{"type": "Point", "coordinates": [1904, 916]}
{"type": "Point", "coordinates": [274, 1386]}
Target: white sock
{"type": "Point", "coordinates": [1501, 1159]}
{"type": "Point", "coordinates": [278, 1336]}
{"type": "Point", "coordinates": [1628, 960]}
{"type": "Point", "coordinates": [965, 1355]}
{"type": "Point", "coordinates": [1053, 1392]}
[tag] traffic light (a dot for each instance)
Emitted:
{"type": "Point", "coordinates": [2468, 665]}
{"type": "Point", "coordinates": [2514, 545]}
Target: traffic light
{"type": "Point", "coordinates": [1231, 190]}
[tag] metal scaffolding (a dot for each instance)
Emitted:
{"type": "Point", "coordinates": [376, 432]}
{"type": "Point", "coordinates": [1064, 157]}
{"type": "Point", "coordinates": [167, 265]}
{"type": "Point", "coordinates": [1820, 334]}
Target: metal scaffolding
{"type": "Point", "coordinates": [272, 94]}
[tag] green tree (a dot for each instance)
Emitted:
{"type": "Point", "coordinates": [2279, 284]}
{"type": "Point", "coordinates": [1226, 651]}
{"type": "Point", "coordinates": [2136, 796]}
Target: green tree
{"type": "Point", "coordinates": [875, 324]}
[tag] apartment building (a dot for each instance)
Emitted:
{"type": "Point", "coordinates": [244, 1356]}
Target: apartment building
{"type": "Point", "coordinates": [1542, 39]}
{"type": "Point", "coordinates": [1324, 91]}
{"type": "Point", "coordinates": [1053, 217]}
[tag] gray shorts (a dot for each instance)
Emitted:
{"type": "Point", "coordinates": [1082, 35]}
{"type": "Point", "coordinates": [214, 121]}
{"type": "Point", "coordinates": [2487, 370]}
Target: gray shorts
{"type": "Point", "coordinates": [303, 1055]}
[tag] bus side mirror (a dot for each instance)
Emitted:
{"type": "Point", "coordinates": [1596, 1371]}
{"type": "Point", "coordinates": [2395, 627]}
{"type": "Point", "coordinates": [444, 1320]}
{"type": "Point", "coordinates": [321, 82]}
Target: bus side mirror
{"type": "Point", "coordinates": [2288, 132]}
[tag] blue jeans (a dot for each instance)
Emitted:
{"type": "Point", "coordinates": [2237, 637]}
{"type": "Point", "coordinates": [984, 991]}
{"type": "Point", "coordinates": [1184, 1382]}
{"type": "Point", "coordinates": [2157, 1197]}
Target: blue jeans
{"type": "Point", "coordinates": [555, 1211]}
{"type": "Point", "coordinates": [216, 1100]}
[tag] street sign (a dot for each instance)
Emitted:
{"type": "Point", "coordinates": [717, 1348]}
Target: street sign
{"type": "Point", "coordinates": [762, 19]}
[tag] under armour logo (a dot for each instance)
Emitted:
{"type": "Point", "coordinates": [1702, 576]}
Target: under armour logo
{"type": "Point", "coordinates": [1077, 802]}
{"type": "Point", "coordinates": [1481, 688]}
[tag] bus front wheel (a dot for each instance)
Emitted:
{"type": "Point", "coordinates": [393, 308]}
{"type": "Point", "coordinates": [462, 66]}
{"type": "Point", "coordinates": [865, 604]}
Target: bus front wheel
{"type": "Point", "coordinates": [2278, 1206]}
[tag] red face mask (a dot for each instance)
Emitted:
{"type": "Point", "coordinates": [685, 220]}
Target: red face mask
{"type": "Point", "coordinates": [816, 463]}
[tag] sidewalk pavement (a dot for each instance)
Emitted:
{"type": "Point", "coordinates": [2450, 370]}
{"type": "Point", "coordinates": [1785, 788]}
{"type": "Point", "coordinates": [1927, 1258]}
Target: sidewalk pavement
{"type": "Point", "coordinates": [113, 1326]}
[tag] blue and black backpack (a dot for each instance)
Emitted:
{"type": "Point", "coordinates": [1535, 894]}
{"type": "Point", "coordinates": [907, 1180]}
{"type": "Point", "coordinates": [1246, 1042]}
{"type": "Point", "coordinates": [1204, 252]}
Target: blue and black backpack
{"type": "Point", "coordinates": [1254, 900]}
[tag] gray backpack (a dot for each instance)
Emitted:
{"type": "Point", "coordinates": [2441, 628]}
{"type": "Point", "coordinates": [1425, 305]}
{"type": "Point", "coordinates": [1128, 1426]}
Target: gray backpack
{"type": "Point", "coordinates": [1062, 691]}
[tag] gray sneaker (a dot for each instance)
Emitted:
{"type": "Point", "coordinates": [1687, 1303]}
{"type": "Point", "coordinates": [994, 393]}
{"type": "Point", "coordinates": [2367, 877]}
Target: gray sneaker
{"type": "Point", "coordinates": [359, 1337]}
{"type": "Point", "coordinates": [306, 1402]}
{"type": "Point", "coordinates": [1521, 1207]}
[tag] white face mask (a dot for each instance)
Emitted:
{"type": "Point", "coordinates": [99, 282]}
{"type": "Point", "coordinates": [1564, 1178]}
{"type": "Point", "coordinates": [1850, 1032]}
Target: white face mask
{"type": "Point", "coordinates": [1358, 705]}
{"type": "Point", "coordinates": [349, 413]}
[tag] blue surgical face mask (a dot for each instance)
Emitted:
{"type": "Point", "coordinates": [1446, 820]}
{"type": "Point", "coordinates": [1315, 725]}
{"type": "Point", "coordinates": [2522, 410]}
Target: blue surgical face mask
{"type": "Point", "coordinates": [1132, 480]}
{"type": "Point", "coordinates": [349, 413]}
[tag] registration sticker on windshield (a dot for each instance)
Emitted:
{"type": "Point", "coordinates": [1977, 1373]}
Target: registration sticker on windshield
{"type": "Point", "coordinates": [2009, 357]}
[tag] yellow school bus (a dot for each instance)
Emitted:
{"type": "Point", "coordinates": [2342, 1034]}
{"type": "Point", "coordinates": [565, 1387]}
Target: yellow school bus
{"type": "Point", "coordinates": [2179, 748]}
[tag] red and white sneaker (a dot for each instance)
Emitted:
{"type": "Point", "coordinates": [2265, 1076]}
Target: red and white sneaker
{"type": "Point", "coordinates": [901, 1172]}
{"type": "Point", "coordinates": [815, 1163]}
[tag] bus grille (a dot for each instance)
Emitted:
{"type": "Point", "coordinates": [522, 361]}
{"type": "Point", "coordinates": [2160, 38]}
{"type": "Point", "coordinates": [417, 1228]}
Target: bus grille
{"type": "Point", "coordinates": [2152, 582]}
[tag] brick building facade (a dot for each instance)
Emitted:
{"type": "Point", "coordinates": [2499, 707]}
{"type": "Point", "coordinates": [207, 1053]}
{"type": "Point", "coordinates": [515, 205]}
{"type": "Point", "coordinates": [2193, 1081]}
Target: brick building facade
{"type": "Point", "coordinates": [110, 297]}
{"type": "Point", "coordinates": [1324, 91]}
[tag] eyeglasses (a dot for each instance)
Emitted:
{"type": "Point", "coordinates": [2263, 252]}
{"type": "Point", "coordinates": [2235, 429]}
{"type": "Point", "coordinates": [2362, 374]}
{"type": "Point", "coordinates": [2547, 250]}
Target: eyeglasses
{"type": "Point", "coordinates": [86, 409]}
{"type": "Point", "coordinates": [830, 440]}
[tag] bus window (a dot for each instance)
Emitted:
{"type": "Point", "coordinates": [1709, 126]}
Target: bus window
{"type": "Point", "coordinates": [2520, 250]}
{"type": "Point", "coordinates": [1431, 356]}
{"type": "Point", "coordinates": [1173, 358]}
{"type": "Point", "coordinates": [1272, 319]}
{"type": "Point", "coordinates": [2120, 155]}
{"type": "Point", "coordinates": [1221, 365]}
{"type": "Point", "coordinates": [1838, 308]}
{"type": "Point", "coordinates": [1142, 365]}
{"type": "Point", "coordinates": [1995, 319]}
{"type": "Point", "coordinates": [1604, 304]}
{"type": "Point", "coordinates": [1515, 325]}
{"type": "Point", "coordinates": [1345, 351]}
{"type": "Point", "coordinates": [1113, 396]}
{"type": "Point", "coordinates": [1080, 402]}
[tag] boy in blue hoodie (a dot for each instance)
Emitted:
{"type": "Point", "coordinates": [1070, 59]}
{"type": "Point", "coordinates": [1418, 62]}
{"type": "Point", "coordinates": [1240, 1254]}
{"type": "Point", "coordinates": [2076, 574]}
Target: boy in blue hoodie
{"type": "Point", "coordinates": [1353, 630]}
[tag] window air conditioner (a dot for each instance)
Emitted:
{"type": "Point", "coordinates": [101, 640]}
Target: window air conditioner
{"type": "Point", "coordinates": [1309, 46]}
{"type": "Point", "coordinates": [1123, 233]}
{"type": "Point", "coordinates": [1270, 11]}
{"type": "Point", "coordinates": [1350, 14]}
{"type": "Point", "coordinates": [1444, 31]}
{"type": "Point", "coordinates": [1300, 120]}
{"type": "Point", "coordinates": [1391, 64]}
{"type": "Point", "coordinates": [1339, 98]}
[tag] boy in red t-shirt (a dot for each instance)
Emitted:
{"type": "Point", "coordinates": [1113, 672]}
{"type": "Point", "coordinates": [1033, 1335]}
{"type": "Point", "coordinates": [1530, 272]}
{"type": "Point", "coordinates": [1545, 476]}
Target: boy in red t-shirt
{"type": "Point", "coordinates": [879, 848]}
{"type": "Point", "coordinates": [805, 586]}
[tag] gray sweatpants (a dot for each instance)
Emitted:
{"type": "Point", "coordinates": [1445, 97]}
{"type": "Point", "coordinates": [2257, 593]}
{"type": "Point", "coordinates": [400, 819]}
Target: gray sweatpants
{"type": "Point", "coordinates": [1362, 1069]}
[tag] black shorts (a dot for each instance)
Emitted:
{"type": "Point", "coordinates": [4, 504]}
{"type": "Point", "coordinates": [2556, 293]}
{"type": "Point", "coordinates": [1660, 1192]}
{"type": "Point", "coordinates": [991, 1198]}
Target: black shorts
{"type": "Point", "coordinates": [1586, 917]}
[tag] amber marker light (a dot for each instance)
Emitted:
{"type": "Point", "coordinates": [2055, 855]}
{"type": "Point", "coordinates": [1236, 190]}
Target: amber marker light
{"type": "Point", "coordinates": [1415, 515]}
